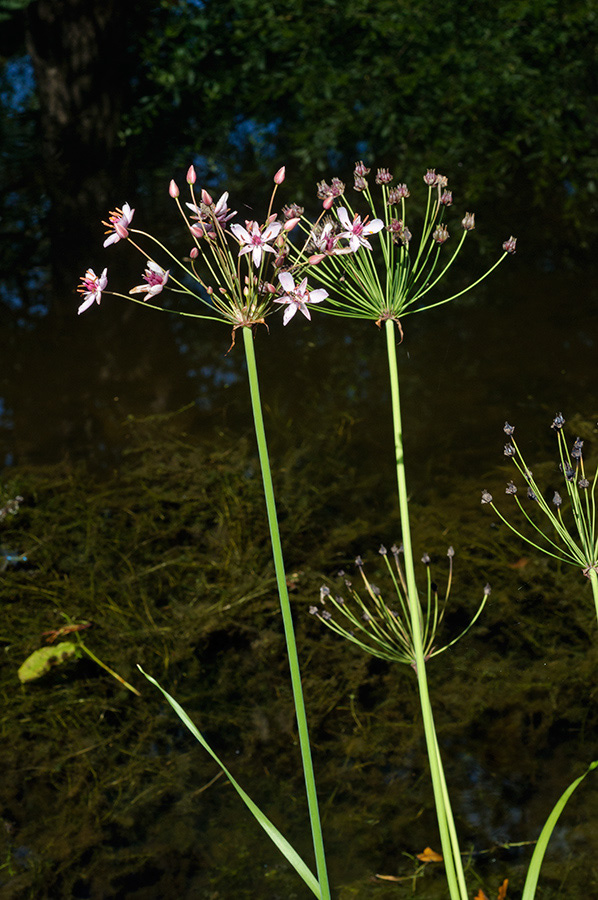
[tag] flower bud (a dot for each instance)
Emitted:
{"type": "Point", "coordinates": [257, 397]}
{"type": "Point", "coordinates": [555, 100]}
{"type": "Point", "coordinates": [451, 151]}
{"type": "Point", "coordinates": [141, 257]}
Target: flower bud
{"type": "Point", "coordinates": [290, 224]}
{"type": "Point", "coordinates": [206, 198]}
{"type": "Point", "coordinates": [327, 202]}
{"type": "Point", "coordinates": [316, 258]}
{"type": "Point", "coordinates": [486, 497]}
{"type": "Point", "coordinates": [194, 253]}
{"type": "Point", "coordinates": [191, 176]}
{"type": "Point", "coordinates": [280, 176]}
{"type": "Point", "coordinates": [173, 190]}
{"type": "Point", "coordinates": [509, 246]}
{"type": "Point", "coordinates": [468, 222]}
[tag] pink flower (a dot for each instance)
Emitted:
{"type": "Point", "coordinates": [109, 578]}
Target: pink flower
{"type": "Point", "coordinates": [297, 297]}
{"type": "Point", "coordinates": [256, 241]}
{"type": "Point", "coordinates": [156, 277]}
{"type": "Point", "coordinates": [118, 223]}
{"type": "Point", "coordinates": [356, 229]}
{"type": "Point", "coordinates": [207, 212]}
{"type": "Point", "coordinates": [325, 240]}
{"type": "Point", "coordinates": [91, 288]}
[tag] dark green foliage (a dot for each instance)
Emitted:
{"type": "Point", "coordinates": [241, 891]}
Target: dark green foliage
{"type": "Point", "coordinates": [168, 557]}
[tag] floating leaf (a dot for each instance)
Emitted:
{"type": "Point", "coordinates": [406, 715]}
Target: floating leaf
{"type": "Point", "coordinates": [42, 661]}
{"type": "Point", "coordinates": [429, 855]}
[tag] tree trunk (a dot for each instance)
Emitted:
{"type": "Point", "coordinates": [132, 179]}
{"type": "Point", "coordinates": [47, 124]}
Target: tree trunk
{"type": "Point", "coordinates": [81, 53]}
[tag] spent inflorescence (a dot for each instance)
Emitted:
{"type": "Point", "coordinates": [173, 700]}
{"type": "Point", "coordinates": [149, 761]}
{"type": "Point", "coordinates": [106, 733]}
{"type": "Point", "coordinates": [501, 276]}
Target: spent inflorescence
{"type": "Point", "coordinates": [569, 513]}
{"type": "Point", "coordinates": [383, 627]}
{"type": "Point", "coordinates": [412, 267]}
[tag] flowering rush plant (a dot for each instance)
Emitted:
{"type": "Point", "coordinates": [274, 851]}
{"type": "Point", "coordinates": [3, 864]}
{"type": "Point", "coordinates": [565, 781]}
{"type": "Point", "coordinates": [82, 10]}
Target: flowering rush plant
{"type": "Point", "coordinates": [240, 273]}
{"type": "Point", "coordinates": [367, 620]}
{"type": "Point", "coordinates": [571, 536]}
{"type": "Point", "coordinates": [412, 268]}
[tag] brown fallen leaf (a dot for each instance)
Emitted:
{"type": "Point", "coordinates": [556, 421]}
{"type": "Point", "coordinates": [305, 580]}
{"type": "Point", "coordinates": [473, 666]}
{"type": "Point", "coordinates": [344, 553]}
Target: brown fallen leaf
{"type": "Point", "coordinates": [429, 855]}
{"type": "Point", "coordinates": [520, 564]}
{"type": "Point", "coordinates": [502, 891]}
{"type": "Point", "coordinates": [480, 895]}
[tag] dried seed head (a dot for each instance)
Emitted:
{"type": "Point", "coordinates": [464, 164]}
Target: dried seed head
{"type": "Point", "coordinates": [557, 499]}
{"type": "Point", "coordinates": [468, 221]}
{"type": "Point", "coordinates": [366, 617]}
{"type": "Point", "coordinates": [441, 234]}
{"type": "Point", "coordinates": [450, 552]}
{"type": "Point", "coordinates": [359, 562]}
{"type": "Point", "coordinates": [487, 590]}
{"type": "Point", "coordinates": [530, 494]}
{"type": "Point", "coordinates": [314, 611]}
{"type": "Point", "coordinates": [292, 211]}
{"type": "Point", "coordinates": [583, 483]}
{"type": "Point", "coordinates": [508, 429]}
{"type": "Point", "coordinates": [383, 176]}
{"type": "Point", "coordinates": [509, 450]}
{"type": "Point", "coordinates": [576, 449]}
{"type": "Point", "coordinates": [567, 471]}
{"type": "Point", "coordinates": [430, 177]}
{"type": "Point", "coordinates": [382, 550]}
{"type": "Point", "coordinates": [447, 198]}
{"type": "Point", "coordinates": [326, 615]}
{"type": "Point", "coordinates": [510, 245]}
{"type": "Point", "coordinates": [511, 489]}
{"type": "Point", "coordinates": [558, 421]}
{"type": "Point", "coordinates": [398, 193]}
{"type": "Point", "coordinates": [360, 183]}
{"type": "Point", "coordinates": [426, 559]}
{"type": "Point", "coordinates": [486, 497]}
{"type": "Point", "coordinates": [324, 592]}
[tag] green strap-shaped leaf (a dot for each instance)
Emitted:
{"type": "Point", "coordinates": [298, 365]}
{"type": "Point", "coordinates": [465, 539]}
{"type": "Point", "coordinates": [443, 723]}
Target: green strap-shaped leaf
{"type": "Point", "coordinates": [273, 833]}
{"type": "Point", "coordinates": [533, 873]}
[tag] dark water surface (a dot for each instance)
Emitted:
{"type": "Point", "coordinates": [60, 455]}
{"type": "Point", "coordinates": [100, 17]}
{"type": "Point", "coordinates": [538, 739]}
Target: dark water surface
{"type": "Point", "coordinates": [154, 531]}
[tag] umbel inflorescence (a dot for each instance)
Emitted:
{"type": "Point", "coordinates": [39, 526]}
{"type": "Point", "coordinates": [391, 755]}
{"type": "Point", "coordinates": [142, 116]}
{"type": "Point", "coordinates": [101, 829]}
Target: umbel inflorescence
{"type": "Point", "coordinates": [381, 625]}
{"type": "Point", "coordinates": [566, 527]}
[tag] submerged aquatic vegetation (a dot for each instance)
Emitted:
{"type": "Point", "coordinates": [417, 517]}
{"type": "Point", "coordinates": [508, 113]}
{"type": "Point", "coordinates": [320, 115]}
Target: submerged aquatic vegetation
{"type": "Point", "coordinates": [383, 627]}
{"type": "Point", "coordinates": [572, 534]}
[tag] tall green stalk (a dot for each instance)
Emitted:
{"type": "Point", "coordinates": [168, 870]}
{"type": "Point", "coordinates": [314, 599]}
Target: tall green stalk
{"type": "Point", "coordinates": [287, 618]}
{"type": "Point", "coordinates": [448, 834]}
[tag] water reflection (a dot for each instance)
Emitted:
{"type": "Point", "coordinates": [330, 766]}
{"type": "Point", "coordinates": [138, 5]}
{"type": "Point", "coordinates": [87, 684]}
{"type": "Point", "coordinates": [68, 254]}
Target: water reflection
{"type": "Point", "coordinates": [522, 348]}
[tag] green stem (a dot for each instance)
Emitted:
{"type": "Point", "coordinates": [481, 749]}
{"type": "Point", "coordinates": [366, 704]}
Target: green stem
{"type": "Point", "coordinates": [287, 618]}
{"type": "Point", "coordinates": [594, 583]}
{"type": "Point", "coordinates": [446, 825]}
